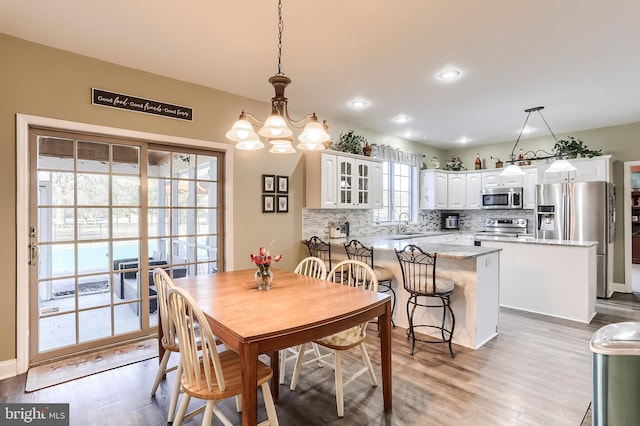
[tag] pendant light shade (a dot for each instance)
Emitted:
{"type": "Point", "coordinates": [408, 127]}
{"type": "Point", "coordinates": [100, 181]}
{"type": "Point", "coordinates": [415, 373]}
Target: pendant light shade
{"type": "Point", "coordinates": [281, 146]}
{"type": "Point", "coordinates": [242, 130]}
{"type": "Point", "coordinates": [275, 127]}
{"type": "Point", "coordinates": [560, 165]}
{"type": "Point", "coordinates": [512, 170]}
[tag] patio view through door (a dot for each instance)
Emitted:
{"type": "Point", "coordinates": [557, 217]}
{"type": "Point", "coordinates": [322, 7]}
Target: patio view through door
{"type": "Point", "coordinates": [104, 213]}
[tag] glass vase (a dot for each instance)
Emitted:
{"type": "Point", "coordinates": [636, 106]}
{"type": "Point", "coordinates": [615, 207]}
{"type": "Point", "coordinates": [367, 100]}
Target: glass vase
{"type": "Point", "coordinates": [264, 278]}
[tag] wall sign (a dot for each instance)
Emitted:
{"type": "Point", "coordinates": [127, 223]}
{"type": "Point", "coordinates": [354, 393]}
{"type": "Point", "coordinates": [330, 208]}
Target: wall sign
{"type": "Point", "coordinates": [132, 103]}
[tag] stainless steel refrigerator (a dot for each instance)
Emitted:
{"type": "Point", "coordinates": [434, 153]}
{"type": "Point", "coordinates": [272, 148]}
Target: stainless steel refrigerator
{"type": "Point", "coordinates": [582, 211]}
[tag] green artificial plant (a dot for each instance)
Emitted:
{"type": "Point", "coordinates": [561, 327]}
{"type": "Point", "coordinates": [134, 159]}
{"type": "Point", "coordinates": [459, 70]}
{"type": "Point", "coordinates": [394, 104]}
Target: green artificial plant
{"type": "Point", "coordinates": [350, 142]}
{"type": "Point", "coordinates": [573, 147]}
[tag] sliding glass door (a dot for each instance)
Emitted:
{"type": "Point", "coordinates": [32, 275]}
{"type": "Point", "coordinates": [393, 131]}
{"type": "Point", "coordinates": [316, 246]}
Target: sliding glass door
{"type": "Point", "coordinates": [105, 212]}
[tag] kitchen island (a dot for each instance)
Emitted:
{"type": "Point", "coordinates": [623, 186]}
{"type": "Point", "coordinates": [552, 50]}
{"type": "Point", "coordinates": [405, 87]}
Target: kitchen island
{"type": "Point", "coordinates": [474, 270]}
{"type": "Point", "coordinates": [551, 277]}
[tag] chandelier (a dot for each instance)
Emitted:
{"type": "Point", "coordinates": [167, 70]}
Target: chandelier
{"type": "Point", "coordinates": [559, 165]}
{"type": "Point", "coordinates": [275, 129]}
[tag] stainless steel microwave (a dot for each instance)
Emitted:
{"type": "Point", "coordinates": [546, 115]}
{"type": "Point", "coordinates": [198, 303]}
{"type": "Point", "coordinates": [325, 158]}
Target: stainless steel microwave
{"type": "Point", "coordinates": [501, 198]}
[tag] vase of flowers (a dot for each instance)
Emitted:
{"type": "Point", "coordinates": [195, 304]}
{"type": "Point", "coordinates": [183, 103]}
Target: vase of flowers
{"type": "Point", "coordinates": [264, 275]}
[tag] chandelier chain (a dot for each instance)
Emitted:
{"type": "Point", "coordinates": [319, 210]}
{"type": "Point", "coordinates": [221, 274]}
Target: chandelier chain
{"type": "Point", "coordinates": [280, 29]}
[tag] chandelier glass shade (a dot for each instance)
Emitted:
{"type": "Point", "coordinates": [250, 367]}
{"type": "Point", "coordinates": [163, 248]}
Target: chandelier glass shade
{"type": "Point", "coordinates": [276, 129]}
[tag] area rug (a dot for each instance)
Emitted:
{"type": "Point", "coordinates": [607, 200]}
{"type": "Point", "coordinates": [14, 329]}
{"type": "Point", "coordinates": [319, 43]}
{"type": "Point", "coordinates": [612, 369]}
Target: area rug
{"type": "Point", "coordinates": [92, 363]}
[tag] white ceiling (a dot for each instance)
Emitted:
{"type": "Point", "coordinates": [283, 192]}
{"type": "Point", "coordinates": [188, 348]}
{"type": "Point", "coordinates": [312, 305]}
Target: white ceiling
{"type": "Point", "coordinates": [577, 58]}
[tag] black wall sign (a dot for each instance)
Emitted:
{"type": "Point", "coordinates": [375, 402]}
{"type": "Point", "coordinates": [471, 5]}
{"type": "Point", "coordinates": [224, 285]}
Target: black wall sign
{"type": "Point", "coordinates": [132, 103]}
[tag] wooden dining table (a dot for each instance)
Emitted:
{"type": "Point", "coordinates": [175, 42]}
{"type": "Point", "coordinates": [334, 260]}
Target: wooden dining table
{"type": "Point", "coordinates": [297, 309]}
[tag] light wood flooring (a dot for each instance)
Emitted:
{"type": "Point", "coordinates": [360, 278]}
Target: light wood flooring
{"type": "Point", "coordinates": [536, 372]}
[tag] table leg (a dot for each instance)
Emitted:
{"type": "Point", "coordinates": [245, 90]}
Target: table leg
{"type": "Point", "coordinates": [249, 359]}
{"type": "Point", "coordinates": [385, 355]}
{"type": "Point", "coordinates": [275, 379]}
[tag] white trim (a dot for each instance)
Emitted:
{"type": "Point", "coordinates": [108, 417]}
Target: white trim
{"type": "Point", "coordinates": [628, 275]}
{"type": "Point", "coordinates": [8, 369]}
{"type": "Point", "coordinates": [23, 122]}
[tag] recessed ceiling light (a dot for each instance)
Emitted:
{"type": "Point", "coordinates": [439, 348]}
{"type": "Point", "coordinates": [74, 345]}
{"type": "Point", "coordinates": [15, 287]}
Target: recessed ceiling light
{"type": "Point", "coordinates": [358, 103]}
{"type": "Point", "coordinates": [527, 130]}
{"type": "Point", "coordinates": [401, 119]}
{"type": "Point", "coordinates": [463, 139]}
{"type": "Point", "coordinates": [450, 74]}
{"type": "Point", "coordinates": [409, 133]}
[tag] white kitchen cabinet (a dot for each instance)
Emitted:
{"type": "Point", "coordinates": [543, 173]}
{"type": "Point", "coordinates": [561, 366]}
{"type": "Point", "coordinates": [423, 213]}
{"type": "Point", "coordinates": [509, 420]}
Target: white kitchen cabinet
{"type": "Point", "coordinates": [529, 182]}
{"type": "Point", "coordinates": [339, 180]}
{"type": "Point", "coordinates": [587, 170]}
{"type": "Point", "coordinates": [492, 179]}
{"type": "Point", "coordinates": [456, 190]}
{"type": "Point", "coordinates": [321, 180]}
{"type": "Point", "coordinates": [474, 186]}
{"type": "Point", "coordinates": [433, 190]}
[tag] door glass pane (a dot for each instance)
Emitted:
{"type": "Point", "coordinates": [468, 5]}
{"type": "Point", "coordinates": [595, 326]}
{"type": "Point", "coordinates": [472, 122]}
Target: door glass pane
{"type": "Point", "coordinates": [56, 260]}
{"type": "Point", "coordinates": [126, 160]}
{"type": "Point", "coordinates": [123, 315]}
{"type": "Point", "coordinates": [93, 156]}
{"type": "Point", "coordinates": [126, 249]}
{"type": "Point", "coordinates": [126, 191]}
{"type": "Point", "coordinates": [207, 167]}
{"type": "Point", "coordinates": [184, 222]}
{"type": "Point", "coordinates": [186, 193]}
{"type": "Point", "coordinates": [159, 191]}
{"type": "Point", "coordinates": [55, 153]}
{"type": "Point", "coordinates": [158, 164]}
{"type": "Point", "coordinates": [159, 222]}
{"type": "Point", "coordinates": [93, 190]}
{"type": "Point", "coordinates": [94, 291]}
{"type": "Point", "coordinates": [93, 257]}
{"type": "Point", "coordinates": [57, 331]}
{"type": "Point", "coordinates": [60, 188]}
{"type": "Point", "coordinates": [94, 324]}
{"type": "Point", "coordinates": [183, 165]}
{"type": "Point", "coordinates": [125, 222]}
{"type": "Point", "coordinates": [93, 223]}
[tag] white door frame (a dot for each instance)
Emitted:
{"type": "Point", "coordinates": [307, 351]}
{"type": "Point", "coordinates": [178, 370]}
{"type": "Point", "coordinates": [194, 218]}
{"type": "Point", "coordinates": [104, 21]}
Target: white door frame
{"type": "Point", "coordinates": [23, 122]}
{"type": "Point", "coordinates": [627, 225]}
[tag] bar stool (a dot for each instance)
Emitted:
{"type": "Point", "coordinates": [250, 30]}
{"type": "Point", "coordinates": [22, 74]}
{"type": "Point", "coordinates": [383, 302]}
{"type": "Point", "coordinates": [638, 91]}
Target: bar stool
{"type": "Point", "coordinates": [419, 276]}
{"type": "Point", "coordinates": [319, 248]}
{"type": "Point", "coordinates": [357, 251]}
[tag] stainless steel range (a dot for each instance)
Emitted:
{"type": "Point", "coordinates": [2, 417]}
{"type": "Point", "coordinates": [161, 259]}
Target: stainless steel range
{"type": "Point", "coordinates": [495, 228]}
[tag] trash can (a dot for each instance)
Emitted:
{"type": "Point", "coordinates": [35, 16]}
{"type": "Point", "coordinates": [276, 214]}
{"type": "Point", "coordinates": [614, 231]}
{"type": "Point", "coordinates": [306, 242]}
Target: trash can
{"type": "Point", "coordinates": [616, 375]}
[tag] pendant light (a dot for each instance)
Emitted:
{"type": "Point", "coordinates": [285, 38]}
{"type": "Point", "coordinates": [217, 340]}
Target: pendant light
{"type": "Point", "coordinates": [275, 129]}
{"type": "Point", "coordinates": [559, 165]}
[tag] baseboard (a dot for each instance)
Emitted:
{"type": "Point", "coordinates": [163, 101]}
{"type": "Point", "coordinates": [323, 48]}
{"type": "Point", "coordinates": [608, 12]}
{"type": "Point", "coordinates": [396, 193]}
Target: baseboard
{"type": "Point", "coordinates": [8, 369]}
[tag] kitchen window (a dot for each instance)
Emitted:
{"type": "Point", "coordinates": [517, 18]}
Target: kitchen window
{"type": "Point", "coordinates": [399, 193]}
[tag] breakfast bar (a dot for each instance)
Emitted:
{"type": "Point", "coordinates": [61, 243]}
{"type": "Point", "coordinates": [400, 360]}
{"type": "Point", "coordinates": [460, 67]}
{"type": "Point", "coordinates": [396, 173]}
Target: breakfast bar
{"type": "Point", "coordinates": [474, 270]}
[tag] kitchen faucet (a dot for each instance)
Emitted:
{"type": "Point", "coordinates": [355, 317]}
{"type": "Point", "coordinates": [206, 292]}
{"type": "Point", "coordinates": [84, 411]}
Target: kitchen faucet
{"type": "Point", "coordinates": [406, 223]}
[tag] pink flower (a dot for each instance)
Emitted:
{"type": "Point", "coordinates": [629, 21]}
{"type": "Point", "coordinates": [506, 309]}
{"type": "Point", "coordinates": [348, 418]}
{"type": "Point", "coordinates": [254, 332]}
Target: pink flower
{"type": "Point", "coordinates": [263, 259]}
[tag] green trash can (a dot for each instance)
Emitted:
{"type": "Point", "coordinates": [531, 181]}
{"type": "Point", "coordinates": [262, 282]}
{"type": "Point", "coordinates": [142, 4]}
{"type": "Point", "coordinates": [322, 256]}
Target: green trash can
{"type": "Point", "coordinates": [616, 375]}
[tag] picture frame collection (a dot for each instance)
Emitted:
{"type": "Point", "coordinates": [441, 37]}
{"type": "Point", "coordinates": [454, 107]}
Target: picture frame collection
{"type": "Point", "coordinates": [275, 190]}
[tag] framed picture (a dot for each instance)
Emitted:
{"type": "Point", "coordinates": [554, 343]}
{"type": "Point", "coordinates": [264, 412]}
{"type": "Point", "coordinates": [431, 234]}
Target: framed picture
{"type": "Point", "coordinates": [268, 183]}
{"type": "Point", "coordinates": [283, 184]}
{"type": "Point", "coordinates": [283, 204]}
{"type": "Point", "coordinates": [268, 203]}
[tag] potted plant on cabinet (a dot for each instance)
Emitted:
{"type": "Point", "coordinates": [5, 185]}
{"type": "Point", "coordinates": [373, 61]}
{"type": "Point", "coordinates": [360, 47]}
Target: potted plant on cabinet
{"type": "Point", "coordinates": [350, 142]}
{"type": "Point", "coordinates": [573, 148]}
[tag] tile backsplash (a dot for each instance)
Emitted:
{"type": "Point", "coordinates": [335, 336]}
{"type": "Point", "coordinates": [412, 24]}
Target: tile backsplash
{"type": "Point", "coordinates": [362, 223]}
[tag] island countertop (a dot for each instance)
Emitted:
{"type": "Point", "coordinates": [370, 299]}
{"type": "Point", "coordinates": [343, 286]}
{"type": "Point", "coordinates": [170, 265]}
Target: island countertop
{"type": "Point", "coordinates": [395, 242]}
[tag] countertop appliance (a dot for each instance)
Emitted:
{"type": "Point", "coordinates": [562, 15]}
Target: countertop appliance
{"type": "Point", "coordinates": [450, 221]}
{"type": "Point", "coordinates": [582, 211]}
{"type": "Point", "coordinates": [502, 228]}
{"type": "Point", "coordinates": [501, 198]}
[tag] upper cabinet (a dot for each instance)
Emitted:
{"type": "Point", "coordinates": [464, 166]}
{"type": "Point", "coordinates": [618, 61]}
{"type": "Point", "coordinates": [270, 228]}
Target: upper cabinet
{"type": "Point", "coordinates": [492, 179]}
{"type": "Point", "coordinates": [587, 170]}
{"type": "Point", "coordinates": [457, 191]}
{"type": "Point", "coordinates": [474, 186]}
{"type": "Point", "coordinates": [338, 180]}
{"type": "Point", "coordinates": [433, 189]}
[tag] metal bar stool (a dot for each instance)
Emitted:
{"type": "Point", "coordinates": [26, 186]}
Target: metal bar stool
{"type": "Point", "coordinates": [419, 276]}
{"type": "Point", "coordinates": [357, 251]}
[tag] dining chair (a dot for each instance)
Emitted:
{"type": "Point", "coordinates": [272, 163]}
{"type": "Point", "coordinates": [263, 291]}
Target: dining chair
{"type": "Point", "coordinates": [311, 267]}
{"type": "Point", "coordinates": [355, 274]}
{"type": "Point", "coordinates": [358, 251]}
{"type": "Point", "coordinates": [422, 284]}
{"type": "Point", "coordinates": [169, 340]}
{"type": "Point", "coordinates": [207, 373]}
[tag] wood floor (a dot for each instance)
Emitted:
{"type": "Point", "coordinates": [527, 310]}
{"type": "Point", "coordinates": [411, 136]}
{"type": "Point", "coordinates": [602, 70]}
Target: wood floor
{"type": "Point", "coordinates": [536, 372]}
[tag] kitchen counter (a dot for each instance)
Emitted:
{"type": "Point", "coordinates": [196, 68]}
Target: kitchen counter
{"type": "Point", "coordinates": [398, 242]}
{"type": "Point", "coordinates": [534, 240]}
{"type": "Point", "coordinates": [474, 270]}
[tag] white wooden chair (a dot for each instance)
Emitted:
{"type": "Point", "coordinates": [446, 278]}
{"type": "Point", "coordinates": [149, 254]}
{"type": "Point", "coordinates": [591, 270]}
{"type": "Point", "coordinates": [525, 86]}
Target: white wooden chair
{"type": "Point", "coordinates": [169, 341]}
{"type": "Point", "coordinates": [311, 267]}
{"type": "Point", "coordinates": [356, 274]}
{"type": "Point", "coordinates": [206, 373]}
